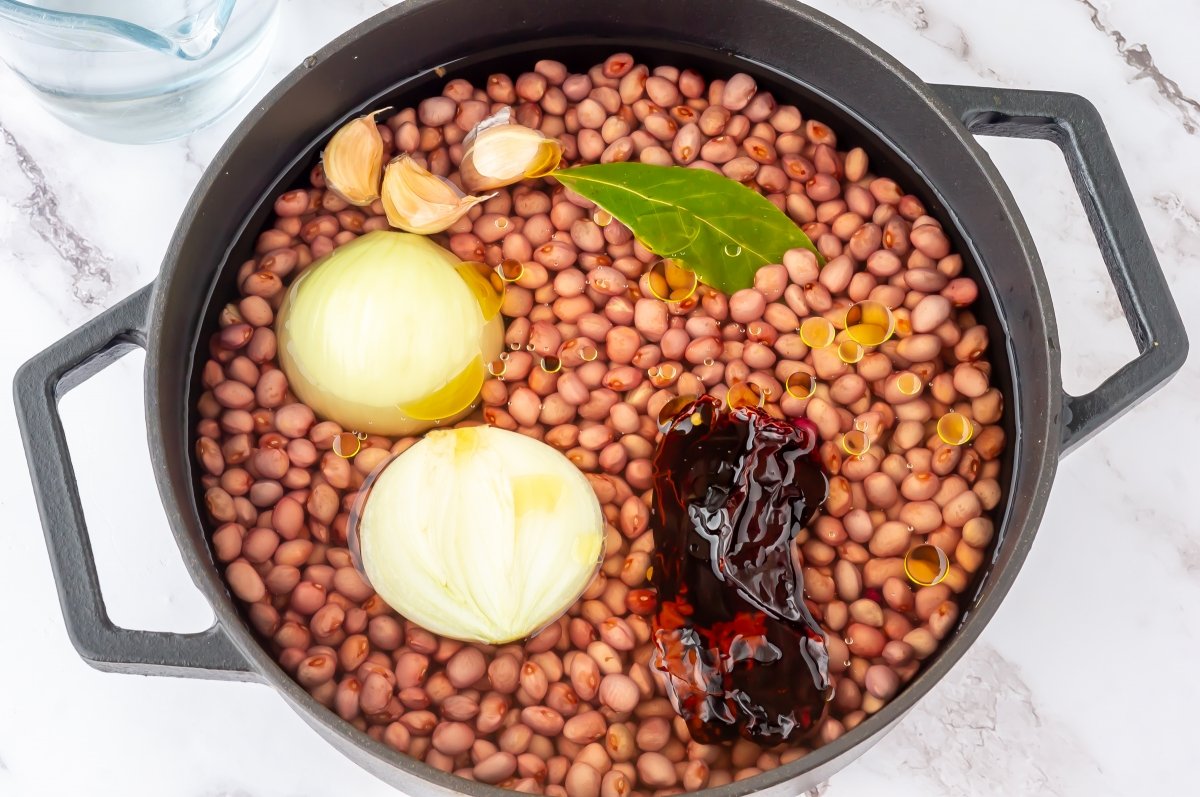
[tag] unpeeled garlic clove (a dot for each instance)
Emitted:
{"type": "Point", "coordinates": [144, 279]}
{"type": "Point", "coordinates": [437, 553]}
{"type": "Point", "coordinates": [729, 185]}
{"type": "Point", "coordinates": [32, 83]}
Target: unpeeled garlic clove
{"type": "Point", "coordinates": [419, 201]}
{"type": "Point", "coordinates": [353, 160]}
{"type": "Point", "coordinates": [499, 152]}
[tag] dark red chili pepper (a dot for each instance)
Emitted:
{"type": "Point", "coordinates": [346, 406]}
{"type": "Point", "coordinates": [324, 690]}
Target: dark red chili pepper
{"type": "Point", "coordinates": [741, 652]}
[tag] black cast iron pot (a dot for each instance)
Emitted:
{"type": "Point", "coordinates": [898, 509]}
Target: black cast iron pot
{"type": "Point", "coordinates": [919, 134]}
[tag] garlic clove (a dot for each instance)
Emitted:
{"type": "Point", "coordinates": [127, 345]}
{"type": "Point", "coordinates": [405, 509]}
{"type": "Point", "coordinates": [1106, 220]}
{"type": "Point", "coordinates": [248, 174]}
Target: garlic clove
{"type": "Point", "coordinates": [499, 153]}
{"type": "Point", "coordinates": [419, 201]}
{"type": "Point", "coordinates": [353, 160]}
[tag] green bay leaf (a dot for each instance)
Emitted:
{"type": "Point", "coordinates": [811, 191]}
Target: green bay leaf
{"type": "Point", "coordinates": [721, 229]}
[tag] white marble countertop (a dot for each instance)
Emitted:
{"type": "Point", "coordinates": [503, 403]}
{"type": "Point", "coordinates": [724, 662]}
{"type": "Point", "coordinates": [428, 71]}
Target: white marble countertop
{"type": "Point", "coordinates": [1083, 684]}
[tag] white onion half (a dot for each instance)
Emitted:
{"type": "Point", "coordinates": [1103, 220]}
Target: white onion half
{"type": "Point", "coordinates": [384, 335]}
{"type": "Point", "coordinates": [480, 534]}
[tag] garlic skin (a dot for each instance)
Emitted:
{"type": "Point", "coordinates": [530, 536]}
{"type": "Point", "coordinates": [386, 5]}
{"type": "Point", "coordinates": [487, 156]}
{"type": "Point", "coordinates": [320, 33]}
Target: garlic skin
{"type": "Point", "coordinates": [419, 201]}
{"type": "Point", "coordinates": [386, 335]}
{"type": "Point", "coordinates": [353, 160]}
{"type": "Point", "coordinates": [480, 534]}
{"type": "Point", "coordinates": [499, 153]}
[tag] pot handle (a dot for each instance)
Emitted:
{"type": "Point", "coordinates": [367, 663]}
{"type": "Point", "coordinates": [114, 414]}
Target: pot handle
{"type": "Point", "coordinates": [1074, 125]}
{"type": "Point", "coordinates": [38, 386]}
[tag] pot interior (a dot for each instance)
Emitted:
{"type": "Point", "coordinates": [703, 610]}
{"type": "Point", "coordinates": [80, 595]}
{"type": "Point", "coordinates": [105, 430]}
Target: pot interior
{"type": "Point", "coordinates": [887, 158]}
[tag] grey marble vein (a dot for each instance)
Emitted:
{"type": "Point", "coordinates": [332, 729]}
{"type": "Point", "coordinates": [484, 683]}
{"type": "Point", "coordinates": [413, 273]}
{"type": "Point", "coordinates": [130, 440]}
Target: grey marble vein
{"type": "Point", "coordinates": [1174, 205]}
{"type": "Point", "coordinates": [91, 281]}
{"type": "Point", "coordinates": [189, 155]}
{"type": "Point", "coordinates": [911, 10]}
{"type": "Point", "coordinates": [1138, 56]}
{"type": "Point", "coordinates": [945, 34]}
{"type": "Point", "coordinates": [954, 743]}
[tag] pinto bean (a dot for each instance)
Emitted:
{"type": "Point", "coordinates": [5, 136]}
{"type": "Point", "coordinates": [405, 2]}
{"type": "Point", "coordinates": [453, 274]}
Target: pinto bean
{"type": "Point", "coordinates": [848, 580]}
{"type": "Point", "coordinates": [542, 720]}
{"type": "Point", "coordinates": [970, 381]}
{"type": "Point", "coordinates": [244, 581]}
{"type": "Point", "coordinates": [930, 241]}
{"type": "Point", "coordinates": [882, 681]}
{"type": "Point", "coordinates": [930, 312]}
{"type": "Point", "coordinates": [961, 509]}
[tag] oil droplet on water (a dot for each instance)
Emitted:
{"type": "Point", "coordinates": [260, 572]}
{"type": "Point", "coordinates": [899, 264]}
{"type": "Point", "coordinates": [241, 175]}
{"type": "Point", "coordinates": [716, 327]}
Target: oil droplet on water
{"type": "Point", "coordinates": [732, 250]}
{"type": "Point", "coordinates": [497, 367]}
{"type": "Point", "coordinates": [926, 565]}
{"type": "Point", "coordinates": [955, 429]}
{"type": "Point", "coordinates": [514, 346]}
{"type": "Point", "coordinates": [710, 362]}
{"type": "Point", "coordinates": [800, 385]}
{"type": "Point", "coordinates": [745, 394]}
{"type": "Point", "coordinates": [588, 352]}
{"type": "Point", "coordinates": [869, 323]}
{"type": "Point", "coordinates": [856, 443]}
{"type": "Point", "coordinates": [602, 218]}
{"type": "Point", "coordinates": [502, 223]}
{"type": "Point", "coordinates": [671, 409]}
{"type": "Point", "coordinates": [484, 284]}
{"type": "Point", "coordinates": [671, 281]}
{"type": "Point", "coordinates": [346, 445]}
{"type": "Point", "coordinates": [361, 435]}
{"type": "Point", "coordinates": [551, 365]}
{"type": "Point", "coordinates": [850, 351]}
{"type": "Point", "coordinates": [529, 347]}
{"type": "Point", "coordinates": [816, 332]}
{"type": "Point", "coordinates": [662, 375]}
{"type": "Point", "coordinates": [510, 270]}
{"type": "Point", "coordinates": [908, 383]}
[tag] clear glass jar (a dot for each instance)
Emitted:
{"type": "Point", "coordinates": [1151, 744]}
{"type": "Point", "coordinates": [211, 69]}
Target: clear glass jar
{"type": "Point", "coordinates": [159, 70]}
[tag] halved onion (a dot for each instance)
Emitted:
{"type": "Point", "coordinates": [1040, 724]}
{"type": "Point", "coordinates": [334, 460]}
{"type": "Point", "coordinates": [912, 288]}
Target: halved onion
{"type": "Point", "coordinates": [480, 534]}
{"type": "Point", "coordinates": [385, 335]}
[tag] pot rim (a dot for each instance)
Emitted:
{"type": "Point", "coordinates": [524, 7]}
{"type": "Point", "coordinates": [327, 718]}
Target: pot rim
{"type": "Point", "coordinates": [1040, 458]}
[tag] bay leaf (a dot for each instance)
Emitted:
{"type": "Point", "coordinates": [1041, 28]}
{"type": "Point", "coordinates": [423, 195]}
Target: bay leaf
{"type": "Point", "coordinates": [721, 229]}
